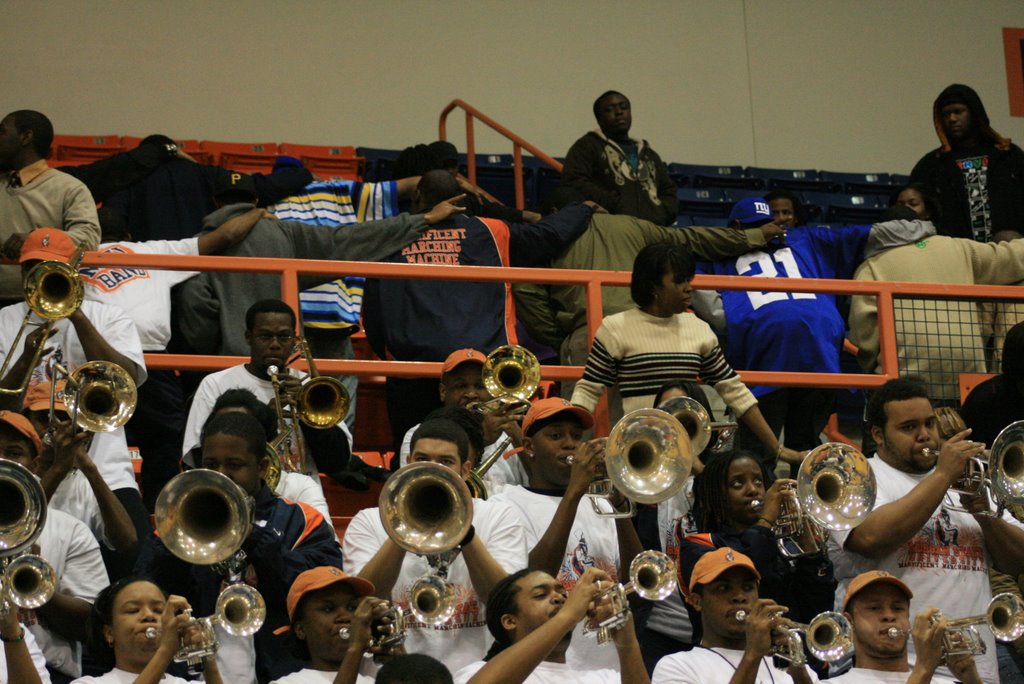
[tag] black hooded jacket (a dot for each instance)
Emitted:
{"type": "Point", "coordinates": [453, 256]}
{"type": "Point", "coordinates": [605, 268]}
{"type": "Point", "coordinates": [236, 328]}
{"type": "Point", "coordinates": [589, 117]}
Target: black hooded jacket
{"type": "Point", "coordinates": [1002, 164]}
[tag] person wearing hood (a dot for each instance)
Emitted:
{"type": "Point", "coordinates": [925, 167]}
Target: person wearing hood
{"type": "Point", "coordinates": [936, 339]}
{"type": "Point", "coordinates": [622, 174]}
{"type": "Point", "coordinates": [976, 174]}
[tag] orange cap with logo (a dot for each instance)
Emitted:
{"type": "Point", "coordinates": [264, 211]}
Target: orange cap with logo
{"type": "Point", "coordinates": [23, 426]}
{"type": "Point", "coordinates": [461, 356]}
{"type": "Point", "coordinates": [714, 563]}
{"type": "Point", "coordinates": [546, 408]}
{"type": "Point", "coordinates": [47, 244]}
{"type": "Point", "coordinates": [866, 579]}
{"type": "Point", "coordinates": [38, 397]}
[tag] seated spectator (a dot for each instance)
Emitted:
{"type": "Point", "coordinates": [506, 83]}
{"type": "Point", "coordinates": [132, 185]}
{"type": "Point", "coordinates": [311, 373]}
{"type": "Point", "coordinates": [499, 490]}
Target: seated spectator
{"type": "Point", "coordinates": [286, 538]}
{"type": "Point", "coordinates": [35, 196]}
{"type": "Point", "coordinates": [322, 603]}
{"type": "Point", "coordinates": [67, 545]}
{"type": "Point", "coordinates": [563, 532]}
{"type": "Point", "coordinates": [414, 668]}
{"type": "Point", "coordinates": [416, 320]}
{"type": "Point", "coordinates": [531, 617]}
{"type": "Point", "coordinates": [70, 478]}
{"type": "Point", "coordinates": [725, 517]}
{"type": "Point", "coordinates": [118, 625]}
{"type": "Point", "coordinates": [639, 349]}
{"type": "Point", "coordinates": [917, 197]}
{"type": "Point", "coordinates": [461, 385]}
{"type": "Point", "coordinates": [785, 208]}
{"type": "Point", "coordinates": [94, 332]}
{"type": "Point", "coordinates": [494, 547]}
{"type": "Point", "coordinates": [144, 295]}
{"type": "Point", "coordinates": [877, 602]}
{"type": "Point", "coordinates": [622, 174]}
{"type": "Point", "coordinates": [270, 335]}
{"type": "Point", "coordinates": [723, 583]}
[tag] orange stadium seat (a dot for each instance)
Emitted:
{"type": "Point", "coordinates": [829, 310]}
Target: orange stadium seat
{"type": "Point", "coordinates": [326, 161]}
{"type": "Point", "coordinates": [85, 148]}
{"type": "Point", "coordinates": [340, 523]}
{"type": "Point", "coordinates": [245, 157]}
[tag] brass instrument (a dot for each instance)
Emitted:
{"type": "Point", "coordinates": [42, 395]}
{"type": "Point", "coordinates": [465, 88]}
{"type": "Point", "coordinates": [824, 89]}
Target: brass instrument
{"type": "Point", "coordinates": [999, 472]}
{"type": "Point", "coordinates": [53, 291]}
{"type": "Point", "coordinates": [1004, 616]}
{"type": "Point", "coordinates": [203, 518]}
{"type": "Point", "coordinates": [427, 509]}
{"type": "Point", "coordinates": [511, 375]}
{"type": "Point", "coordinates": [387, 631]}
{"type": "Point", "coordinates": [829, 638]}
{"type": "Point", "coordinates": [835, 490]}
{"type": "Point", "coordinates": [652, 575]}
{"type": "Point", "coordinates": [698, 425]}
{"type": "Point", "coordinates": [28, 581]}
{"type": "Point", "coordinates": [647, 458]}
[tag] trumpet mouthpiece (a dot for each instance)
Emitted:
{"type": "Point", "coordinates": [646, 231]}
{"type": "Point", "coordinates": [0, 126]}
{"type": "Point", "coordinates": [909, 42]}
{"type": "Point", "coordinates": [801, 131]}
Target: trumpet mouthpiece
{"type": "Point", "coordinates": [896, 632]}
{"type": "Point", "coordinates": [741, 616]}
{"type": "Point", "coordinates": [152, 633]}
{"type": "Point", "coordinates": [344, 633]}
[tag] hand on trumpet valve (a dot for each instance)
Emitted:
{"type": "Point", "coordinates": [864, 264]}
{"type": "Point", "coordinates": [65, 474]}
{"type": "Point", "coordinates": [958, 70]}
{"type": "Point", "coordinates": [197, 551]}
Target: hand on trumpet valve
{"type": "Point", "coordinates": [771, 507]}
{"type": "Point", "coordinates": [290, 386]}
{"type": "Point", "coordinates": [976, 504]}
{"type": "Point", "coordinates": [761, 622]}
{"type": "Point", "coordinates": [174, 623]}
{"type": "Point", "coordinates": [951, 459]}
{"type": "Point", "coordinates": [928, 633]}
{"type": "Point", "coordinates": [366, 620]}
{"type": "Point", "coordinates": [587, 465]}
{"type": "Point", "coordinates": [579, 603]}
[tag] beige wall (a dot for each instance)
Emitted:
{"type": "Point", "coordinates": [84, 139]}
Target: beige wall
{"type": "Point", "coordinates": [831, 84]}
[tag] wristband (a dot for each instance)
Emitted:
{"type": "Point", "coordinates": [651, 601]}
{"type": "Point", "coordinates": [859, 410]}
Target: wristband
{"type": "Point", "coordinates": [20, 637]}
{"type": "Point", "coordinates": [469, 536]}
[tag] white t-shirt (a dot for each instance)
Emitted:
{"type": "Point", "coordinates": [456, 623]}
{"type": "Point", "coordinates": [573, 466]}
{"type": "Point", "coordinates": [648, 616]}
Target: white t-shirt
{"type": "Point", "coordinates": [549, 673]}
{"type": "Point", "coordinates": [116, 676]}
{"type": "Point", "coordinates": [37, 659]}
{"type": "Point", "coordinates": [145, 295]}
{"type": "Point", "coordinates": [68, 545]}
{"type": "Point", "coordinates": [860, 675]}
{"type": "Point", "coordinates": [310, 676]}
{"type": "Point", "coordinates": [300, 487]}
{"type": "Point", "coordinates": [109, 450]}
{"type": "Point", "coordinates": [75, 497]}
{"type": "Point", "coordinates": [464, 639]}
{"type": "Point", "coordinates": [945, 564]}
{"type": "Point", "coordinates": [504, 472]}
{"type": "Point", "coordinates": [237, 377]}
{"type": "Point", "coordinates": [704, 665]}
{"type": "Point", "coordinates": [593, 542]}
{"type": "Point", "coordinates": [669, 617]}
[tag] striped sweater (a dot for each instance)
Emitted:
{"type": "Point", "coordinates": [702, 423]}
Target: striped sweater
{"type": "Point", "coordinates": [639, 353]}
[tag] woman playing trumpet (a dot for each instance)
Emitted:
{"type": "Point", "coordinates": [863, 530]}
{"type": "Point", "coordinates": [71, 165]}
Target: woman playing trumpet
{"type": "Point", "coordinates": [139, 629]}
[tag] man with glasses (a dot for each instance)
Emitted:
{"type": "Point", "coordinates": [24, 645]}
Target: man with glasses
{"type": "Point", "coordinates": [270, 333]}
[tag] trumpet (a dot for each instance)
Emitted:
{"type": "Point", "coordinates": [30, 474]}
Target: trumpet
{"type": "Point", "coordinates": [387, 631]}
{"type": "Point", "coordinates": [835, 490]}
{"type": "Point", "coordinates": [829, 638]}
{"type": "Point", "coordinates": [1000, 472]}
{"type": "Point", "coordinates": [53, 291]}
{"type": "Point", "coordinates": [28, 581]}
{"type": "Point", "coordinates": [1004, 617]}
{"type": "Point", "coordinates": [648, 458]}
{"type": "Point", "coordinates": [100, 396]}
{"type": "Point", "coordinates": [511, 375]}
{"type": "Point", "coordinates": [698, 425]}
{"type": "Point", "coordinates": [652, 575]}
{"type": "Point", "coordinates": [427, 509]}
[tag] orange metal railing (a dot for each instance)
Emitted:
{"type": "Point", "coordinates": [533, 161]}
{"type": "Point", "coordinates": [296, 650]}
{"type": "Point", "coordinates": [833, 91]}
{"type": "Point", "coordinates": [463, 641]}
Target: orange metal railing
{"type": "Point", "coordinates": [518, 145]}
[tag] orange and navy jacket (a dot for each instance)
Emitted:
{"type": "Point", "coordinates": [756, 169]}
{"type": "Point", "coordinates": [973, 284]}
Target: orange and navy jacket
{"type": "Point", "coordinates": [287, 539]}
{"type": "Point", "coordinates": [424, 320]}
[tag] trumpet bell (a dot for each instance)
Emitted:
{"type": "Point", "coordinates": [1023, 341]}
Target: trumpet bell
{"type": "Point", "coordinates": [432, 600]}
{"type": "Point", "coordinates": [653, 575]}
{"type": "Point", "coordinates": [1005, 617]}
{"type": "Point", "coordinates": [1007, 460]}
{"type": "Point", "coordinates": [511, 372]}
{"type": "Point", "coordinates": [203, 517]}
{"type": "Point", "coordinates": [53, 289]}
{"type": "Point", "coordinates": [829, 637]}
{"type": "Point", "coordinates": [648, 456]}
{"type": "Point", "coordinates": [835, 486]}
{"type": "Point", "coordinates": [22, 508]}
{"type": "Point", "coordinates": [322, 402]}
{"type": "Point", "coordinates": [103, 398]}
{"type": "Point", "coordinates": [29, 581]}
{"type": "Point", "coordinates": [241, 610]}
{"type": "Point", "coordinates": [694, 418]}
{"type": "Point", "coordinates": [426, 508]}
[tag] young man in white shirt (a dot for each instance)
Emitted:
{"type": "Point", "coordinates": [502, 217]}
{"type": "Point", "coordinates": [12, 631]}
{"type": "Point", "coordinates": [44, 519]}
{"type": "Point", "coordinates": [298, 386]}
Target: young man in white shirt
{"type": "Point", "coordinates": [564, 533]}
{"type": "Point", "coordinates": [532, 617]}
{"type": "Point", "coordinates": [462, 385]}
{"type": "Point", "coordinates": [270, 332]}
{"type": "Point", "coordinates": [914, 531]}
{"type": "Point", "coordinates": [494, 547]}
{"type": "Point", "coordinates": [877, 602]}
{"type": "Point", "coordinates": [723, 583]}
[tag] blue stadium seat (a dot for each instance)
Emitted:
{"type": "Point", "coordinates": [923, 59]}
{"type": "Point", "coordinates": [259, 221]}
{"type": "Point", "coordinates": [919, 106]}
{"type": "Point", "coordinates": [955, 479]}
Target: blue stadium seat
{"type": "Point", "coordinates": [710, 176]}
{"type": "Point", "coordinates": [796, 180]}
{"type": "Point", "coordinates": [380, 163]}
{"type": "Point", "coordinates": [860, 183]}
{"type": "Point", "coordinates": [711, 221]}
{"type": "Point", "coordinates": [899, 180]}
{"type": "Point", "coordinates": [854, 209]}
{"type": "Point", "coordinates": [703, 202]}
{"type": "Point", "coordinates": [736, 194]}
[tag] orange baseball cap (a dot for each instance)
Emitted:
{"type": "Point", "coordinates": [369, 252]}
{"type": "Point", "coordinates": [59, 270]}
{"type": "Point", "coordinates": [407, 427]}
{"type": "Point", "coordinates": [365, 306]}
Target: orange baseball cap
{"type": "Point", "coordinates": [545, 408]}
{"type": "Point", "coordinates": [47, 244]}
{"type": "Point", "coordinates": [38, 397]}
{"type": "Point", "coordinates": [22, 425]}
{"type": "Point", "coordinates": [714, 563]}
{"type": "Point", "coordinates": [318, 578]}
{"type": "Point", "coordinates": [461, 356]}
{"type": "Point", "coordinates": [866, 579]}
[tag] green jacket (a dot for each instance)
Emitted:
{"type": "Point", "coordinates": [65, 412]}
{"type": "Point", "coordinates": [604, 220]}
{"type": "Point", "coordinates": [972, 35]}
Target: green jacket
{"type": "Point", "coordinates": [611, 243]}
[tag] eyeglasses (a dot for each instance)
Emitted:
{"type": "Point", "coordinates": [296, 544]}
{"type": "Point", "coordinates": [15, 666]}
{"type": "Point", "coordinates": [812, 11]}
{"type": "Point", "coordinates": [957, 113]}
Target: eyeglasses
{"type": "Point", "coordinates": [267, 338]}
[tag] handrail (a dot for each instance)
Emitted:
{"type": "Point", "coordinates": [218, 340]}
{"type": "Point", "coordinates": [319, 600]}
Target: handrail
{"type": "Point", "coordinates": [518, 144]}
{"type": "Point", "coordinates": [291, 269]}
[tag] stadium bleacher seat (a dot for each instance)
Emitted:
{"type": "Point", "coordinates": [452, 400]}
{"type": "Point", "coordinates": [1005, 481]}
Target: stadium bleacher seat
{"type": "Point", "coordinates": [546, 179]}
{"type": "Point", "coordinates": [860, 183]}
{"type": "Point", "coordinates": [327, 161]}
{"type": "Point", "coordinates": [794, 180]}
{"type": "Point", "coordinates": [698, 202]}
{"type": "Point", "coordinates": [710, 176]}
{"type": "Point", "coordinates": [244, 157]}
{"type": "Point", "coordinates": [380, 163]}
{"type": "Point", "coordinates": [85, 148]}
{"type": "Point", "coordinates": [854, 209]}
{"type": "Point", "coordinates": [736, 194]}
{"type": "Point", "coordinates": [495, 173]}
{"type": "Point", "coordinates": [899, 179]}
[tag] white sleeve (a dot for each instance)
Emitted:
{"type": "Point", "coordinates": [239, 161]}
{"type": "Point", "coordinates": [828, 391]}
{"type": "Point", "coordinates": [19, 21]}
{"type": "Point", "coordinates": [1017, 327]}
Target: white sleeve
{"type": "Point", "coordinates": [506, 538]}
{"type": "Point", "coordinates": [186, 247]}
{"type": "Point", "coordinates": [309, 492]}
{"type": "Point", "coordinates": [202, 404]}
{"type": "Point", "coordinates": [677, 670]}
{"type": "Point", "coordinates": [466, 673]}
{"type": "Point", "coordinates": [120, 332]}
{"type": "Point", "coordinates": [362, 540]}
{"type": "Point", "coordinates": [84, 575]}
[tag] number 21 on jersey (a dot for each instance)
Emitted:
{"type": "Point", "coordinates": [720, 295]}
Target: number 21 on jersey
{"type": "Point", "coordinates": [768, 266]}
